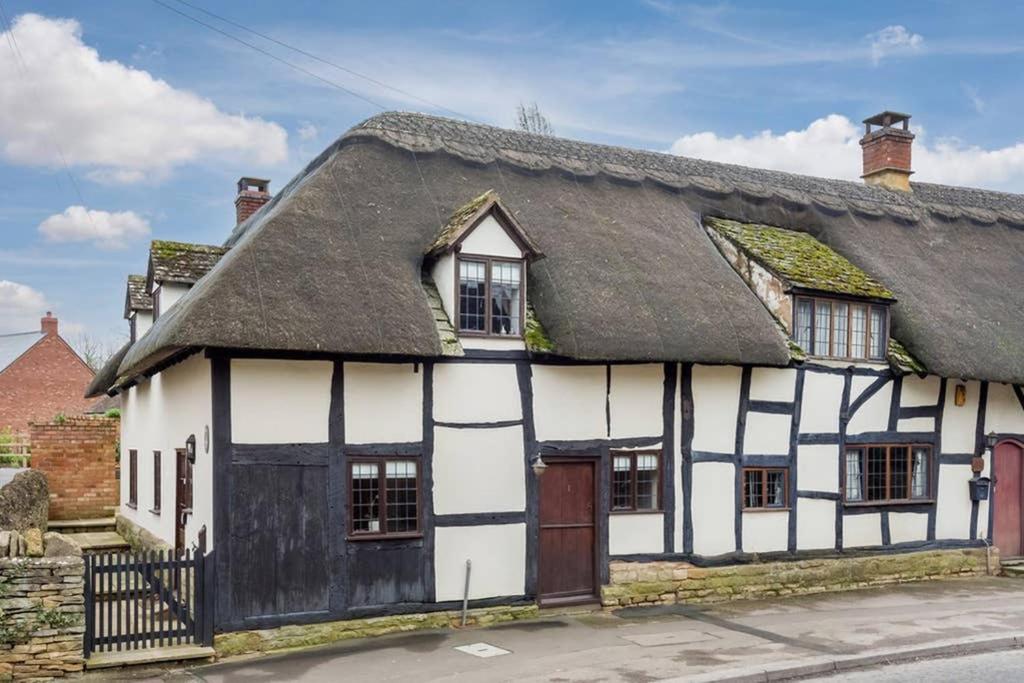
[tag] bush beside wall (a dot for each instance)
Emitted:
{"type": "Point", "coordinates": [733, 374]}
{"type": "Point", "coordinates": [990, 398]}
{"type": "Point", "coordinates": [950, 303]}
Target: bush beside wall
{"type": "Point", "coordinates": [666, 583]}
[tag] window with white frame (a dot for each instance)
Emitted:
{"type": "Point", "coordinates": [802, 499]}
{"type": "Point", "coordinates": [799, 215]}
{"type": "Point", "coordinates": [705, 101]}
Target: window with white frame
{"type": "Point", "coordinates": [837, 328]}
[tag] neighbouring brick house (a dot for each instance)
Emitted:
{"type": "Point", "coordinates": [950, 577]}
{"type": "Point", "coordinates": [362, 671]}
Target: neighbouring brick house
{"type": "Point", "coordinates": [40, 376]}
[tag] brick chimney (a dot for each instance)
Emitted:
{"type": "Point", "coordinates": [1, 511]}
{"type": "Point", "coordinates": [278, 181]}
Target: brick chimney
{"type": "Point", "coordinates": [48, 325]}
{"type": "Point", "coordinates": [887, 150]}
{"type": "Point", "coordinates": [252, 194]}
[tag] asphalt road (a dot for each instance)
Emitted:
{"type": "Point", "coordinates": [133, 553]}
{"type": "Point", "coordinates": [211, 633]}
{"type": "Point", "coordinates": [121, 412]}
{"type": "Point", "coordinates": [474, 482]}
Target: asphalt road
{"type": "Point", "coordinates": [1006, 666]}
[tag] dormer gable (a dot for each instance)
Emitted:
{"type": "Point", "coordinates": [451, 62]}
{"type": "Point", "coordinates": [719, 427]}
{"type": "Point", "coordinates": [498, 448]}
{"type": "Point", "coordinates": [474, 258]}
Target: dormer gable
{"type": "Point", "coordinates": [487, 227]}
{"type": "Point", "coordinates": [174, 267]}
{"type": "Point", "coordinates": [138, 306]}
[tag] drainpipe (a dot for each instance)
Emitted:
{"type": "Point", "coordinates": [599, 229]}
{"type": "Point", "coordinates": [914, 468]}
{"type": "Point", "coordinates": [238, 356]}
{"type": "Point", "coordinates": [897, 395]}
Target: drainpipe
{"type": "Point", "coordinates": [465, 592]}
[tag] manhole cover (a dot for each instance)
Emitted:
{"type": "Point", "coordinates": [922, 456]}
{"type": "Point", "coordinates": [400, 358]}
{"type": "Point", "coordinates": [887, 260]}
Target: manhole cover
{"type": "Point", "coordinates": [482, 650]}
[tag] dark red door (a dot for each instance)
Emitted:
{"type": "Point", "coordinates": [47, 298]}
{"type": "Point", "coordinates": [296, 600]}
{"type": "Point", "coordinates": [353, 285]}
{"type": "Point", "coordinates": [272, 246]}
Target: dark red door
{"type": "Point", "coordinates": [1006, 522]}
{"type": "Point", "coordinates": [568, 532]}
{"type": "Point", "coordinates": [182, 497]}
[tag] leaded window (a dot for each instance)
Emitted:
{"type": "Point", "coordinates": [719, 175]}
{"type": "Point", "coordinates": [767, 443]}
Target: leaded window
{"type": "Point", "coordinates": [383, 497]}
{"type": "Point", "coordinates": [490, 294]}
{"type": "Point", "coordinates": [635, 481]}
{"type": "Point", "coordinates": [765, 488]}
{"type": "Point", "coordinates": [888, 473]}
{"type": "Point", "coordinates": [832, 328]}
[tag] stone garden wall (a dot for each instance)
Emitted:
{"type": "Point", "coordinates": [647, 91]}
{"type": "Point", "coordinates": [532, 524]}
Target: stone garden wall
{"type": "Point", "coordinates": [666, 583]}
{"type": "Point", "coordinates": [42, 617]}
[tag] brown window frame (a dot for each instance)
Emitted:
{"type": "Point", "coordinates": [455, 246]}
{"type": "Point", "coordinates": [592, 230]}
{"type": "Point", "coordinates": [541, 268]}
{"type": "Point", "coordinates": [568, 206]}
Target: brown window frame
{"type": "Point", "coordinates": [156, 295]}
{"type": "Point", "coordinates": [633, 509]}
{"type": "Point", "coordinates": [133, 478]}
{"type": "Point", "coordinates": [488, 261]}
{"type": "Point", "coordinates": [382, 504]}
{"type": "Point", "coordinates": [764, 487]}
{"type": "Point", "coordinates": [156, 484]}
{"type": "Point", "coordinates": [929, 497]}
{"type": "Point", "coordinates": [850, 303]}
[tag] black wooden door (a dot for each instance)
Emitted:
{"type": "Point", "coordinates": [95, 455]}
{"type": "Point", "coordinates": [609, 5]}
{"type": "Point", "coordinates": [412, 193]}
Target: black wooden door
{"type": "Point", "coordinates": [568, 532]}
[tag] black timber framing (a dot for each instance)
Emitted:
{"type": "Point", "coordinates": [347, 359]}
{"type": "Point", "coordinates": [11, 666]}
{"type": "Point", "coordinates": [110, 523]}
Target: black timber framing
{"type": "Point", "coordinates": [668, 460]}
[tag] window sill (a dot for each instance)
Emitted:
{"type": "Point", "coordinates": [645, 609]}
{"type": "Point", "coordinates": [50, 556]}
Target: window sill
{"type": "Point", "coordinates": [887, 503]}
{"type": "Point", "coordinates": [785, 509]}
{"type": "Point", "coordinates": [154, 511]}
{"type": "Point", "coordinates": [133, 506]}
{"type": "Point", "coordinates": [383, 537]}
{"type": "Point", "coordinates": [655, 511]}
{"type": "Point", "coordinates": [485, 335]}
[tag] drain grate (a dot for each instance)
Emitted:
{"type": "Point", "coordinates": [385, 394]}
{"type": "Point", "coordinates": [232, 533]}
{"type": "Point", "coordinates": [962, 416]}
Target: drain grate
{"type": "Point", "coordinates": [484, 650]}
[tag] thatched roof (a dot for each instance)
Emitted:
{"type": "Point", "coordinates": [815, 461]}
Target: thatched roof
{"type": "Point", "coordinates": [106, 378]}
{"type": "Point", "coordinates": [333, 262]}
{"type": "Point", "coordinates": [469, 215]}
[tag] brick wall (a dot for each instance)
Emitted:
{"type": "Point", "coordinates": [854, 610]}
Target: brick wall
{"type": "Point", "coordinates": [43, 613]}
{"type": "Point", "coordinates": [666, 583]}
{"type": "Point", "coordinates": [79, 458]}
{"type": "Point", "coordinates": [48, 379]}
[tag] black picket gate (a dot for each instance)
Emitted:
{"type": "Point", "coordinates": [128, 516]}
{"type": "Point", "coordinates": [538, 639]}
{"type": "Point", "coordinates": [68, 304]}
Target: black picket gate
{"type": "Point", "coordinates": [148, 599]}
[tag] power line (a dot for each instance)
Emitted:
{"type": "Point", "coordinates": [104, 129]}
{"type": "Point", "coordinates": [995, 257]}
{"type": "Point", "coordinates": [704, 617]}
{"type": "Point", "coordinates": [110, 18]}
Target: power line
{"type": "Point", "coordinates": [22, 65]}
{"type": "Point", "coordinates": [292, 65]}
{"type": "Point", "coordinates": [335, 65]}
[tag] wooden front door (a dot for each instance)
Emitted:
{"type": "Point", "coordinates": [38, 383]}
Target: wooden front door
{"type": "Point", "coordinates": [182, 497]}
{"type": "Point", "coordinates": [567, 556]}
{"type": "Point", "coordinates": [1008, 530]}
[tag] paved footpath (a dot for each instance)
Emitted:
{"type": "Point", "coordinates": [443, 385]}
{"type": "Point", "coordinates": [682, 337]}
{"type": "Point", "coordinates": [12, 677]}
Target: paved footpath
{"type": "Point", "coordinates": [734, 641]}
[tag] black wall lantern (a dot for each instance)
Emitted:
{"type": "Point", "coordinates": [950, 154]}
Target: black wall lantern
{"type": "Point", "coordinates": [190, 448]}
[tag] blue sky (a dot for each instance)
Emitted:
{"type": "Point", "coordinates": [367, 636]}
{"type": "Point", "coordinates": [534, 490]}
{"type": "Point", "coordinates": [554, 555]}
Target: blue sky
{"type": "Point", "coordinates": [156, 117]}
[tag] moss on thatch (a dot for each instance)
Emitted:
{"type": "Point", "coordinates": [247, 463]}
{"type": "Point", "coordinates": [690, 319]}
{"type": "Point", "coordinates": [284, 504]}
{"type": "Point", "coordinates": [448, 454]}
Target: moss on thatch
{"type": "Point", "coordinates": [901, 359]}
{"type": "Point", "coordinates": [536, 338]}
{"type": "Point", "coordinates": [800, 259]}
{"type": "Point", "coordinates": [458, 220]}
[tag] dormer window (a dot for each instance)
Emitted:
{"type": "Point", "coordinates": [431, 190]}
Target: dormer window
{"type": "Point", "coordinates": [837, 328]}
{"type": "Point", "coordinates": [490, 296]}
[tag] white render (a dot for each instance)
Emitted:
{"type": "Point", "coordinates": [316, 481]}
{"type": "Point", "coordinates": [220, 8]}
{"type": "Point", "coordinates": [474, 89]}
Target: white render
{"type": "Point", "coordinates": [958, 422]}
{"type": "Point", "coordinates": [767, 434]}
{"type": "Point", "coordinates": [498, 556]}
{"type": "Point", "coordinates": [635, 401]}
{"type": "Point", "coordinates": [488, 238]}
{"type": "Point", "coordinates": [817, 468]}
{"type": "Point", "coordinates": [819, 411]}
{"type": "Point", "coordinates": [772, 384]}
{"type": "Point", "coordinates": [908, 526]}
{"type": "Point", "coordinates": [636, 533]}
{"type": "Point", "coordinates": [497, 398]}
{"type": "Point", "coordinates": [716, 400]}
{"type": "Point", "coordinates": [765, 531]}
{"type": "Point", "coordinates": [815, 524]}
{"type": "Point", "coordinates": [1004, 414]}
{"type": "Point", "coordinates": [862, 530]}
{"type": "Point", "coordinates": [920, 391]}
{"type": "Point", "coordinates": [873, 416]}
{"type": "Point", "coordinates": [170, 293]}
{"type": "Point", "coordinates": [479, 470]}
{"type": "Point", "coordinates": [714, 496]}
{"type": "Point", "coordinates": [569, 401]}
{"type": "Point", "coordinates": [294, 410]}
{"type": "Point", "coordinates": [386, 403]}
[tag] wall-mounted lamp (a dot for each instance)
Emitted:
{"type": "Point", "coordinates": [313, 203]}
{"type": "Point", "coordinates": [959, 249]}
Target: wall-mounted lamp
{"type": "Point", "coordinates": [190, 448]}
{"type": "Point", "coordinates": [538, 465]}
{"type": "Point", "coordinates": [990, 440]}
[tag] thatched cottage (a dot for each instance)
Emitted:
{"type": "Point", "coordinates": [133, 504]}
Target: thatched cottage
{"type": "Point", "coordinates": [444, 342]}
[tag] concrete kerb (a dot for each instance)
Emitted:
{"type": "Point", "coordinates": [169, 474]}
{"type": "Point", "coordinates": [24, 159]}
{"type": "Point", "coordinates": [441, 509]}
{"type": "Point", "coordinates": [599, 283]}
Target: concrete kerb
{"type": "Point", "coordinates": [825, 665]}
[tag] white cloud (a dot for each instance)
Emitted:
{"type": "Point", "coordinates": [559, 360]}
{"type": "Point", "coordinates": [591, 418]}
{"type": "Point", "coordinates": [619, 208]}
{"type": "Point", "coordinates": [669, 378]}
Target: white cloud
{"type": "Point", "coordinates": [20, 307]}
{"type": "Point", "coordinates": [307, 131]}
{"type": "Point", "coordinates": [118, 121]}
{"type": "Point", "coordinates": [974, 97]}
{"type": "Point", "coordinates": [893, 40]}
{"type": "Point", "coordinates": [829, 147]}
{"type": "Point", "coordinates": [105, 229]}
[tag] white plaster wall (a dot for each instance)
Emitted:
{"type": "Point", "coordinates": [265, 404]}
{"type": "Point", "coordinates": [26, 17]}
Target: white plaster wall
{"type": "Point", "coordinates": [443, 275]}
{"type": "Point", "coordinates": [498, 556]}
{"type": "Point", "coordinates": [772, 384]}
{"type": "Point", "coordinates": [958, 423]}
{"type": "Point", "coordinates": [920, 391]}
{"type": "Point", "coordinates": [873, 415]}
{"type": "Point", "coordinates": [916, 424]}
{"type": "Point", "coordinates": [953, 511]}
{"type": "Point", "coordinates": [488, 238]}
{"type": "Point", "coordinates": [714, 501]}
{"type": "Point", "coordinates": [767, 433]}
{"type": "Point", "coordinates": [636, 400]}
{"type": "Point", "coordinates": [569, 402]}
{"type": "Point", "coordinates": [862, 530]}
{"type": "Point", "coordinates": [1003, 413]}
{"type": "Point", "coordinates": [983, 505]}
{"type": "Point", "coordinates": [818, 468]}
{"type": "Point", "coordinates": [815, 524]}
{"type": "Point", "coordinates": [143, 321]}
{"type": "Point", "coordinates": [908, 526]}
{"type": "Point", "coordinates": [479, 470]}
{"type": "Point", "coordinates": [159, 415]}
{"type": "Point", "coordinates": [716, 399]}
{"type": "Point", "coordinates": [476, 392]}
{"type": "Point", "coordinates": [635, 533]}
{"type": "Point", "coordinates": [765, 531]}
{"type": "Point", "coordinates": [493, 343]}
{"type": "Point", "coordinates": [820, 404]}
{"type": "Point", "coordinates": [280, 401]}
{"type": "Point", "coordinates": [383, 403]}
{"type": "Point", "coordinates": [170, 293]}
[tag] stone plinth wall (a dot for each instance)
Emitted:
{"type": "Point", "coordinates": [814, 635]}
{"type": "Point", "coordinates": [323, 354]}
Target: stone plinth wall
{"type": "Point", "coordinates": [42, 617]}
{"type": "Point", "coordinates": [240, 642]}
{"type": "Point", "coordinates": [78, 455]}
{"type": "Point", "coordinates": [665, 583]}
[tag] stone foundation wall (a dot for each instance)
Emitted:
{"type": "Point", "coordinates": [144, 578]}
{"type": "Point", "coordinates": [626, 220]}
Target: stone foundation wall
{"type": "Point", "coordinates": [241, 642]}
{"type": "Point", "coordinates": [42, 617]}
{"type": "Point", "coordinates": [666, 583]}
{"type": "Point", "coordinates": [137, 537]}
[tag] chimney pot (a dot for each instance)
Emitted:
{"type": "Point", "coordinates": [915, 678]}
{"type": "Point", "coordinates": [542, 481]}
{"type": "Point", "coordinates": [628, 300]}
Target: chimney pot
{"type": "Point", "coordinates": [886, 149]}
{"type": "Point", "coordinates": [48, 325]}
{"type": "Point", "coordinates": [253, 193]}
